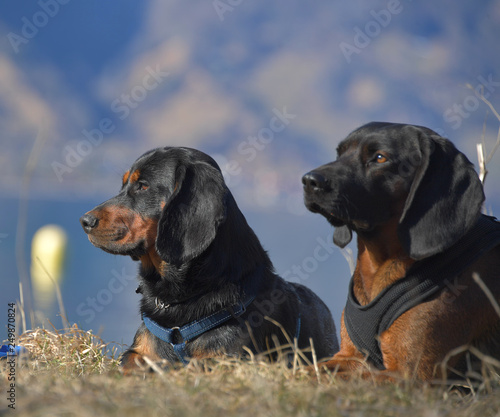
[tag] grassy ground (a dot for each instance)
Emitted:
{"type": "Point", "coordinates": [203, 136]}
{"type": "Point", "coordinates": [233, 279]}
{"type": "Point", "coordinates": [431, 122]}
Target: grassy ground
{"type": "Point", "coordinates": [73, 373]}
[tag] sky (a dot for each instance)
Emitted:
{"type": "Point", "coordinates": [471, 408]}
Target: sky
{"type": "Point", "coordinates": [95, 84]}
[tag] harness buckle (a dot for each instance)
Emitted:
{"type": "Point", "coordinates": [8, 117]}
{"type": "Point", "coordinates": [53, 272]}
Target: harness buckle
{"type": "Point", "coordinates": [177, 336]}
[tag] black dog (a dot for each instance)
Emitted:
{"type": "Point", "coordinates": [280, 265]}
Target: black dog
{"type": "Point", "coordinates": [206, 282]}
{"type": "Point", "coordinates": [414, 201]}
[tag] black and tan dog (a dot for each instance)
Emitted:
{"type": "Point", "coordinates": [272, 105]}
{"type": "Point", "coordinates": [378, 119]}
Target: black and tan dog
{"type": "Point", "coordinates": [206, 282]}
{"type": "Point", "coordinates": [414, 202]}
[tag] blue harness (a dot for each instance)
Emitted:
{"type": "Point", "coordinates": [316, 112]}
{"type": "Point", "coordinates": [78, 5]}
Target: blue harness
{"type": "Point", "coordinates": [178, 337]}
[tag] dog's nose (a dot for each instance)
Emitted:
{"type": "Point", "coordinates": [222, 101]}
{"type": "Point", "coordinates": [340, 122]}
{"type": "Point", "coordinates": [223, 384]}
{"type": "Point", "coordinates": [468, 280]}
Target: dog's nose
{"type": "Point", "coordinates": [88, 222]}
{"type": "Point", "coordinates": [313, 181]}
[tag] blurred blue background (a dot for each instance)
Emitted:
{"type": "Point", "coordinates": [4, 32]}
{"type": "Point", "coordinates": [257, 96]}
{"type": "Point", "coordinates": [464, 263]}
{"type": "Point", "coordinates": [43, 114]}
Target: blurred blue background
{"type": "Point", "coordinates": [95, 84]}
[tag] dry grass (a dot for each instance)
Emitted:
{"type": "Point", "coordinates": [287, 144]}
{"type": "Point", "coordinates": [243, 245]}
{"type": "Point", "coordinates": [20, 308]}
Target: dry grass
{"type": "Point", "coordinates": [74, 373]}
{"type": "Point", "coordinates": [73, 352]}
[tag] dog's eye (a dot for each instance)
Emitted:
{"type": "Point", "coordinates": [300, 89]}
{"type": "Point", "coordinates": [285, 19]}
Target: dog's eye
{"type": "Point", "coordinates": [142, 186]}
{"type": "Point", "coordinates": [380, 158]}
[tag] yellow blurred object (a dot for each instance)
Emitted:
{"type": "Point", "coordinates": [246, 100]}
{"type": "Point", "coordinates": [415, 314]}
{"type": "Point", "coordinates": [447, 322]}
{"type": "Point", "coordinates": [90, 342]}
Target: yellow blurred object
{"type": "Point", "coordinates": [48, 250]}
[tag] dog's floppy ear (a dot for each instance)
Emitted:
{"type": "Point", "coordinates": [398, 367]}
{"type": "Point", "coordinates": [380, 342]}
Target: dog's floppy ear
{"type": "Point", "coordinates": [193, 213]}
{"type": "Point", "coordinates": [444, 200]}
{"type": "Point", "coordinates": [342, 235]}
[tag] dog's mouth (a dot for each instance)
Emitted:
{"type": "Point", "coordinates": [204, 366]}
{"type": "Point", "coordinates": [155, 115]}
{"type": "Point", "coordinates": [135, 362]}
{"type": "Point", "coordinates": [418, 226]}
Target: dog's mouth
{"type": "Point", "coordinates": [115, 242]}
{"type": "Point", "coordinates": [337, 216]}
{"type": "Point", "coordinates": [331, 215]}
{"type": "Point", "coordinates": [105, 237]}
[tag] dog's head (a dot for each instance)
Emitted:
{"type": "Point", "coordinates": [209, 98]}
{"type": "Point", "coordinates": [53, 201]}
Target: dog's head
{"type": "Point", "coordinates": [171, 203]}
{"type": "Point", "coordinates": [387, 171]}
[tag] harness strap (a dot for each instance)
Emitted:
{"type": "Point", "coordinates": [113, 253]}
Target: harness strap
{"type": "Point", "coordinates": [177, 337]}
{"type": "Point", "coordinates": [425, 278]}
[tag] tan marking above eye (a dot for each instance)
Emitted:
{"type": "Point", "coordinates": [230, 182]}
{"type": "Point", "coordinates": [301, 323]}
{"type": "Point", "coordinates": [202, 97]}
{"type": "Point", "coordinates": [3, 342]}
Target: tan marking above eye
{"type": "Point", "coordinates": [125, 177]}
{"type": "Point", "coordinates": [134, 176]}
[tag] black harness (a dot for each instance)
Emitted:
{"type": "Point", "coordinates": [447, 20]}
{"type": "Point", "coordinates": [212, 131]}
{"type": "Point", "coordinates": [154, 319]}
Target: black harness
{"type": "Point", "coordinates": [425, 278]}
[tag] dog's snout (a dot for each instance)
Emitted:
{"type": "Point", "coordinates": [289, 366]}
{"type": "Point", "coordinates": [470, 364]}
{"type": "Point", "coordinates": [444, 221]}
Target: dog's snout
{"type": "Point", "coordinates": [88, 222]}
{"type": "Point", "coordinates": [314, 181]}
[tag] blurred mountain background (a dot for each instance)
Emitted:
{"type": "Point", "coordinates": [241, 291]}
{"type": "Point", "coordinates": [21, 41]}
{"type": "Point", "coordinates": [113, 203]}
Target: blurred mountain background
{"type": "Point", "coordinates": [267, 88]}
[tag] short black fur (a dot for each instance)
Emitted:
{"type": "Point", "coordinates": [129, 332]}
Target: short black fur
{"type": "Point", "coordinates": [381, 163]}
{"type": "Point", "coordinates": [209, 255]}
